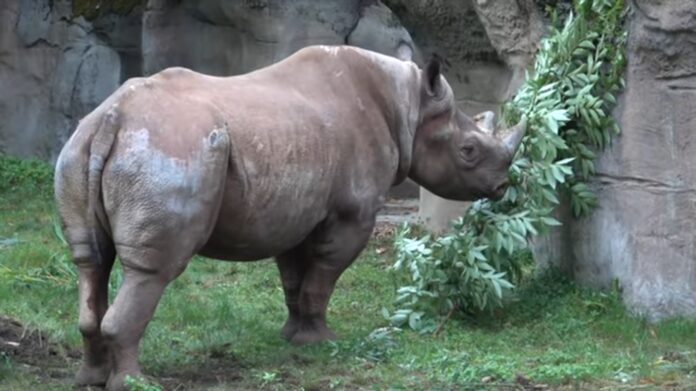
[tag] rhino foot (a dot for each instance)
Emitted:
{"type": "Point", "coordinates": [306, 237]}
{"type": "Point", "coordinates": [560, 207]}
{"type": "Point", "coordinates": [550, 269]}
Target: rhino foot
{"type": "Point", "coordinates": [92, 375]}
{"type": "Point", "coordinates": [290, 329]}
{"type": "Point", "coordinates": [117, 380]}
{"type": "Point", "coordinates": [313, 335]}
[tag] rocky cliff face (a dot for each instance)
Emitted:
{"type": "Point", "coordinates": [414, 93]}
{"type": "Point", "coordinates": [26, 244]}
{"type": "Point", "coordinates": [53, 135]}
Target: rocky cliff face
{"type": "Point", "coordinates": [54, 69]}
{"type": "Point", "coordinates": [225, 37]}
{"type": "Point", "coordinates": [643, 231]}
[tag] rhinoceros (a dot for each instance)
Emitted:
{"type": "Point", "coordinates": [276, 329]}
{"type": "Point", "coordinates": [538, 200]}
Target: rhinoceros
{"type": "Point", "coordinates": [291, 162]}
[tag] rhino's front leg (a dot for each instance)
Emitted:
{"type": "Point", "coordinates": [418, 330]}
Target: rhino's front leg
{"type": "Point", "coordinates": [332, 248]}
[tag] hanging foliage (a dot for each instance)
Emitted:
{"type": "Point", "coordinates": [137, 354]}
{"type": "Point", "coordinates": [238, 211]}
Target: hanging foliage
{"type": "Point", "coordinates": [567, 102]}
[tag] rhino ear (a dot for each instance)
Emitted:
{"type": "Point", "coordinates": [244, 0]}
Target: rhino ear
{"type": "Point", "coordinates": [433, 82]}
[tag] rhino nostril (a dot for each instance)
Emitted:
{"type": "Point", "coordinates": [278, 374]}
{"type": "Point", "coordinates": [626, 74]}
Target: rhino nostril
{"type": "Point", "coordinates": [499, 191]}
{"type": "Point", "coordinates": [501, 187]}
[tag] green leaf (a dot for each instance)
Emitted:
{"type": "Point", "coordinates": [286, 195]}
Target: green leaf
{"type": "Point", "coordinates": [550, 221]}
{"type": "Point", "coordinates": [549, 195]}
{"type": "Point", "coordinates": [414, 320]}
{"type": "Point", "coordinates": [587, 44]}
{"type": "Point", "coordinates": [557, 174]}
{"type": "Point", "coordinates": [551, 124]}
{"type": "Point", "coordinates": [496, 287]}
{"type": "Point", "coordinates": [559, 115]}
{"type": "Point", "coordinates": [550, 179]}
{"type": "Point", "coordinates": [498, 241]}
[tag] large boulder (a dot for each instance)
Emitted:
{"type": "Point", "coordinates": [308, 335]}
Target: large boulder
{"type": "Point", "coordinates": [642, 233]}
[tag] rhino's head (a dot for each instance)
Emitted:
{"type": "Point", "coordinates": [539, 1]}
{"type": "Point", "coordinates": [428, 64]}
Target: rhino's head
{"type": "Point", "coordinates": [455, 156]}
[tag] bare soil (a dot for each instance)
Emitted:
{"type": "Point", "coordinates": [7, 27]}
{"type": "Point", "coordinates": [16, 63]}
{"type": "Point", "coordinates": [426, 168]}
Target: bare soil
{"type": "Point", "coordinates": [32, 351]}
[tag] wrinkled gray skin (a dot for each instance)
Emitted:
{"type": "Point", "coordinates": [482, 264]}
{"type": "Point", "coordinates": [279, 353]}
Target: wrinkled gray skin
{"type": "Point", "coordinates": [291, 161]}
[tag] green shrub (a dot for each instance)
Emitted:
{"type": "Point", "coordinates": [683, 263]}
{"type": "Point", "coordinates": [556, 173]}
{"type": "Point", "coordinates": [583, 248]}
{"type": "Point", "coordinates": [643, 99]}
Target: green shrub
{"type": "Point", "coordinates": [25, 173]}
{"type": "Point", "coordinates": [567, 103]}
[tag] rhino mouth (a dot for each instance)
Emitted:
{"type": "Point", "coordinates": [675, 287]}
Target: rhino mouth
{"type": "Point", "coordinates": [499, 191]}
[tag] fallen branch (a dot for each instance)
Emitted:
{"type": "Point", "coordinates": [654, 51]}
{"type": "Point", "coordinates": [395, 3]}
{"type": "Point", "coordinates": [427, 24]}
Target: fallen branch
{"type": "Point", "coordinates": [442, 324]}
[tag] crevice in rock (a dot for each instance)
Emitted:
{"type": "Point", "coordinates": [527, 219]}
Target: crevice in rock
{"type": "Point", "coordinates": [642, 11]}
{"type": "Point", "coordinates": [41, 42]}
{"type": "Point", "coordinates": [647, 184]}
{"type": "Point", "coordinates": [87, 28]}
{"type": "Point", "coordinates": [682, 87]}
{"type": "Point", "coordinates": [356, 22]}
{"type": "Point", "coordinates": [77, 72]}
{"type": "Point", "coordinates": [673, 76]}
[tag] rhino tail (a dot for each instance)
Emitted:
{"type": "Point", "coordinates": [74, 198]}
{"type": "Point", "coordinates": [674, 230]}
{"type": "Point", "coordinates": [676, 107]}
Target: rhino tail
{"type": "Point", "coordinates": [100, 149]}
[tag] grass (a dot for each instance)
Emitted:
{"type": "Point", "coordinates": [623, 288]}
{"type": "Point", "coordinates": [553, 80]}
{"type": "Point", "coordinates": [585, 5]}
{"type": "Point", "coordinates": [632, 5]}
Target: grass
{"type": "Point", "coordinates": [217, 326]}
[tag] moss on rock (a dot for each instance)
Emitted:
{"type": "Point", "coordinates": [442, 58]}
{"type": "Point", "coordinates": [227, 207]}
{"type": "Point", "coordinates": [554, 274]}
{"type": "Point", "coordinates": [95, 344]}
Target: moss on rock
{"type": "Point", "coordinates": [91, 9]}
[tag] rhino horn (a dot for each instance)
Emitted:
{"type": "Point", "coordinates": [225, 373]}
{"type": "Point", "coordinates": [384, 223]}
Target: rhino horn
{"type": "Point", "coordinates": [514, 138]}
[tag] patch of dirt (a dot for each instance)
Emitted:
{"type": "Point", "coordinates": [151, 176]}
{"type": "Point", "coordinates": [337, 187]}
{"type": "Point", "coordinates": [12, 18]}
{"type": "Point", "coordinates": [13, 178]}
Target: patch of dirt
{"type": "Point", "coordinates": [384, 231]}
{"type": "Point", "coordinates": [31, 350]}
{"type": "Point", "coordinates": [212, 368]}
{"type": "Point", "coordinates": [31, 346]}
{"type": "Point", "coordinates": [398, 211]}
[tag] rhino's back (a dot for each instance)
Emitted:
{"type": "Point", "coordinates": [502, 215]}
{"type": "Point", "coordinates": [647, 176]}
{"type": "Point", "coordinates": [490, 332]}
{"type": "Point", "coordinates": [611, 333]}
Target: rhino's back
{"type": "Point", "coordinates": [305, 144]}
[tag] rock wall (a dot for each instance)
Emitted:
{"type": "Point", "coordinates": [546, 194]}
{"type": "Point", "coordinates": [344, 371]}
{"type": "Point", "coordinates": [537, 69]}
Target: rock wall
{"type": "Point", "coordinates": [54, 69]}
{"type": "Point", "coordinates": [643, 231]}
{"type": "Point", "coordinates": [243, 36]}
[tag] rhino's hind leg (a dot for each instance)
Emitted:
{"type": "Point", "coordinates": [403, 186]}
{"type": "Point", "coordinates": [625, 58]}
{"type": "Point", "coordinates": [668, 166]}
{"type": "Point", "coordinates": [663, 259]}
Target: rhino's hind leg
{"type": "Point", "coordinates": [144, 280]}
{"type": "Point", "coordinates": [94, 301]}
{"type": "Point", "coordinates": [332, 248]}
{"type": "Point", "coordinates": [162, 210]}
{"type": "Point", "coordinates": [292, 267]}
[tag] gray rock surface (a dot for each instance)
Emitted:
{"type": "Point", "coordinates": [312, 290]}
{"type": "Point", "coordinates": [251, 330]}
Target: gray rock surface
{"type": "Point", "coordinates": [226, 38]}
{"type": "Point", "coordinates": [643, 231]}
{"type": "Point", "coordinates": [513, 27]}
{"type": "Point", "coordinates": [53, 70]}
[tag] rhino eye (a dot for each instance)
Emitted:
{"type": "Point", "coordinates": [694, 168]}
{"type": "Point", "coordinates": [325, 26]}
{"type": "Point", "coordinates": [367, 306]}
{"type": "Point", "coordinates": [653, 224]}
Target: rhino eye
{"type": "Point", "coordinates": [468, 152]}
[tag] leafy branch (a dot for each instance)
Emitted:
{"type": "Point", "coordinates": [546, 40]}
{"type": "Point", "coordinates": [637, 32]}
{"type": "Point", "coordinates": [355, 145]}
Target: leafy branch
{"type": "Point", "coordinates": [567, 102]}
